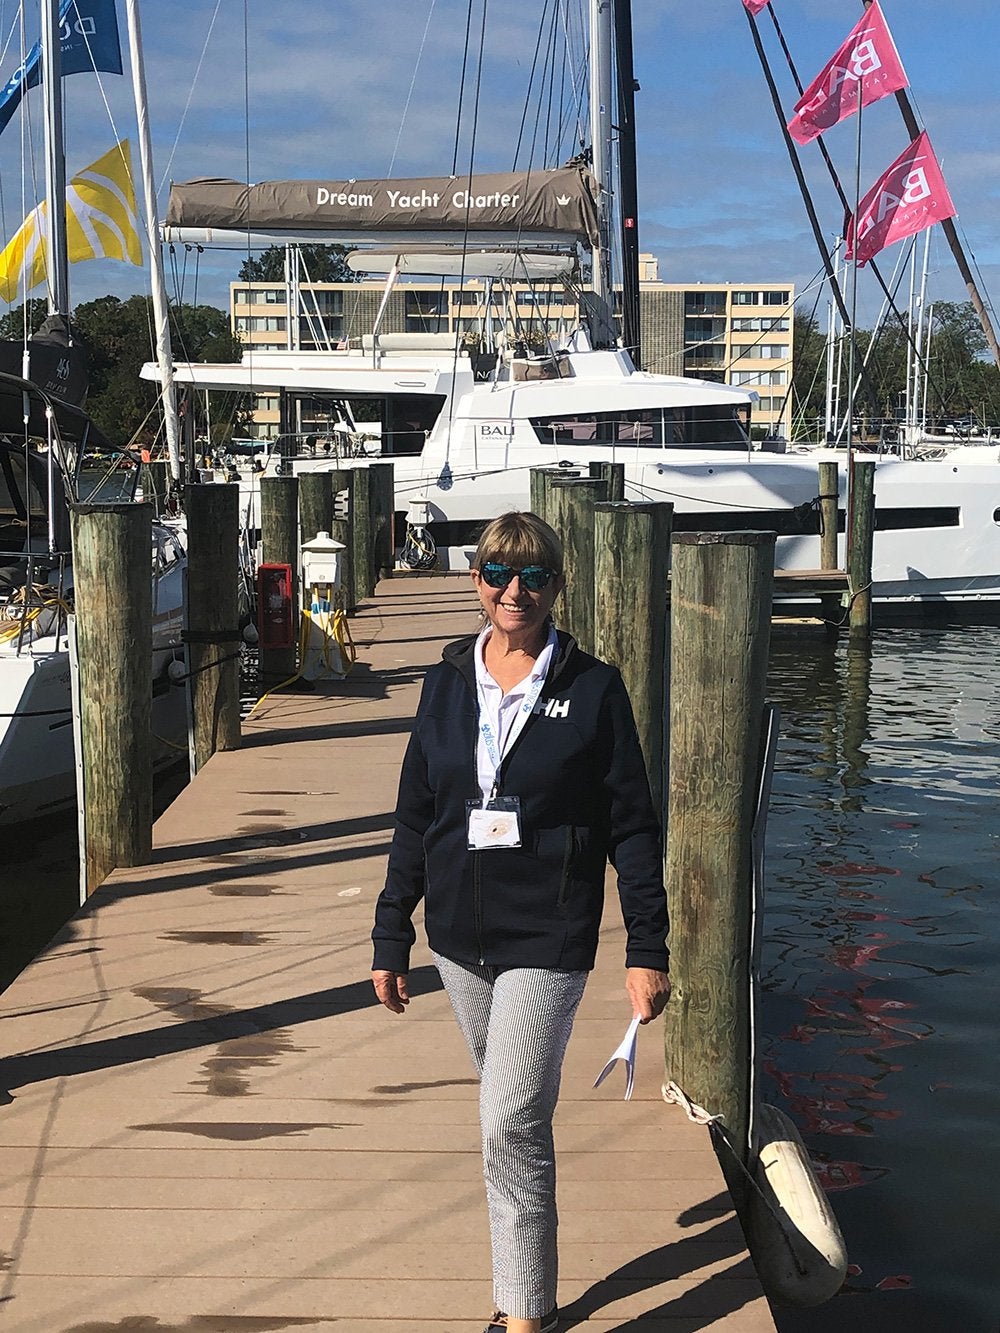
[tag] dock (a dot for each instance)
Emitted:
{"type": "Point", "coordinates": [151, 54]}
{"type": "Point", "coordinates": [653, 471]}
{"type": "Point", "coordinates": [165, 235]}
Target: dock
{"type": "Point", "coordinates": [209, 1124]}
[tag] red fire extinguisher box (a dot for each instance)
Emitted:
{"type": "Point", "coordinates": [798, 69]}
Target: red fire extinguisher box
{"type": "Point", "coordinates": [274, 606]}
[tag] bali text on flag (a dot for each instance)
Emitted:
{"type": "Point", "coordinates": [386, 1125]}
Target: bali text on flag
{"type": "Point", "coordinates": [755, 6]}
{"type": "Point", "coordinates": [864, 69]}
{"type": "Point", "coordinates": [88, 41]}
{"type": "Point", "coordinates": [909, 197]}
{"type": "Point", "coordinates": [101, 223]}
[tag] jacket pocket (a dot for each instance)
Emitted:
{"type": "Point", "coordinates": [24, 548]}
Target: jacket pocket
{"type": "Point", "coordinates": [566, 873]}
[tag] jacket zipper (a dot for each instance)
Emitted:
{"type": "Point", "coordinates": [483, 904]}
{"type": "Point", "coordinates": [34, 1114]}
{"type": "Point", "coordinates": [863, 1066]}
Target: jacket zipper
{"type": "Point", "coordinates": [477, 888]}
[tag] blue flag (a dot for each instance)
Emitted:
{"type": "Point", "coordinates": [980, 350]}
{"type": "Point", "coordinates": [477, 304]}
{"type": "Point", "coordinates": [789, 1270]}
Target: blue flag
{"type": "Point", "coordinates": [88, 34]}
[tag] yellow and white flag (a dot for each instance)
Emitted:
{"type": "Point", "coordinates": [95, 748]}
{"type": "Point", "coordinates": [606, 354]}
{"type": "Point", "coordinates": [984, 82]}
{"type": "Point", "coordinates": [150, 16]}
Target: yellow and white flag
{"type": "Point", "coordinates": [101, 223]}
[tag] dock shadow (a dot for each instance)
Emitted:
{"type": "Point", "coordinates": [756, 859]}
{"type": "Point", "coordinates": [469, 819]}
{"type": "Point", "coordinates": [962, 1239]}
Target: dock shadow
{"type": "Point", "coordinates": [20, 1071]}
{"type": "Point", "coordinates": [704, 1304]}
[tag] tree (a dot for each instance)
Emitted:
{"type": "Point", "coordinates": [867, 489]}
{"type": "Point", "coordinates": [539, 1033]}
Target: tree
{"type": "Point", "coordinates": [320, 263]}
{"type": "Point", "coordinates": [12, 323]}
{"type": "Point", "coordinates": [119, 338]}
{"type": "Point", "coordinates": [809, 378]}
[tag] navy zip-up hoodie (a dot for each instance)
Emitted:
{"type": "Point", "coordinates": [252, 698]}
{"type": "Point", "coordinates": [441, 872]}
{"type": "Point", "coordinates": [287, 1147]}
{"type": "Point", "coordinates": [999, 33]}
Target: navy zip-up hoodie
{"type": "Point", "coordinates": [578, 771]}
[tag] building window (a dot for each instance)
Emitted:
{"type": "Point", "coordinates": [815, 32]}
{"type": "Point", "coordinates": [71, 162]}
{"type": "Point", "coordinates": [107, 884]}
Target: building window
{"type": "Point", "coordinates": [703, 330]}
{"type": "Point", "coordinates": [320, 328]}
{"type": "Point", "coordinates": [704, 303]}
{"type": "Point", "coordinates": [427, 312]}
{"type": "Point", "coordinates": [323, 302]}
{"type": "Point", "coordinates": [760, 324]}
{"type": "Point", "coordinates": [704, 356]}
{"type": "Point", "coordinates": [760, 298]}
{"type": "Point", "coordinates": [740, 377]}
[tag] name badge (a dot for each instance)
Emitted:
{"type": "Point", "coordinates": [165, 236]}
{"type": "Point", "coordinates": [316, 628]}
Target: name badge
{"type": "Point", "coordinates": [497, 824]}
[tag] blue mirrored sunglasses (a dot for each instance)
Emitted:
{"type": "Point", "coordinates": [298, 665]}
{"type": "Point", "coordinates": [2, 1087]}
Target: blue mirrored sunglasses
{"type": "Point", "coordinates": [533, 577]}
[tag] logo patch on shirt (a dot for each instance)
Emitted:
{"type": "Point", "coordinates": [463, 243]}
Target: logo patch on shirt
{"type": "Point", "coordinates": [556, 708]}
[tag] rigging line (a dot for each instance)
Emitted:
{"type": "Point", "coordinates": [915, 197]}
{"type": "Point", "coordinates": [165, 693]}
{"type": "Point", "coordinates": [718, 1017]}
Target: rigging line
{"type": "Point", "coordinates": [409, 95]}
{"type": "Point", "coordinates": [551, 67]}
{"type": "Point", "coordinates": [531, 82]}
{"type": "Point", "coordinates": [11, 34]}
{"type": "Point", "coordinates": [187, 105]}
{"type": "Point", "coordinates": [577, 69]}
{"type": "Point", "coordinates": [100, 81]}
{"type": "Point", "coordinates": [468, 203]}
{"type": "Point", "coordinates": [461, 88]}
{"type": "Point", "coordinates": [812, 321]}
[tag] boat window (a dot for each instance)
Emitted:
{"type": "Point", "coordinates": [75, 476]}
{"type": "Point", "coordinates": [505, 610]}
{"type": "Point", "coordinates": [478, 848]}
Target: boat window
{"type": "Point", "coordinates": [408, 421]}
{"type": "Point", "coordinates": [654, 428]}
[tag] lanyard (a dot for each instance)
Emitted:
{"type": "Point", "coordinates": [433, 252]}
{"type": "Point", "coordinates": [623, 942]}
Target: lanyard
{"type": "Point", "coordinates": [497, 746]}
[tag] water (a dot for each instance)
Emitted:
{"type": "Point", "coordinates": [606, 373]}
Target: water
{"type": "Point", "coordinates": [881, 962]}
{"type": "Point", "coordinates": [881, 968]}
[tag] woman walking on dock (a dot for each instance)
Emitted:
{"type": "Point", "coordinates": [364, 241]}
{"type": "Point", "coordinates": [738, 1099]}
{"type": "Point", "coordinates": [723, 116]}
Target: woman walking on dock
{"type": "Point", "coordinates": [522, 777]}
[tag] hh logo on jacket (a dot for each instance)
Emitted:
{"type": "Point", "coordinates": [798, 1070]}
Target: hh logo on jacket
{"type": "Point", "coordinates": [556, 708]}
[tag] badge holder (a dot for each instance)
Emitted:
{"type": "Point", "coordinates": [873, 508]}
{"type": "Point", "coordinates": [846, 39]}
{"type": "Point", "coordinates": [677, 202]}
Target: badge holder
{"type": "Point", "coordinates": [495, 824]}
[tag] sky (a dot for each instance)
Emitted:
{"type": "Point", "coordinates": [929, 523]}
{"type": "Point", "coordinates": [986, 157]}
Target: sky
{"type": "Point", "coordinates": [264, 89]}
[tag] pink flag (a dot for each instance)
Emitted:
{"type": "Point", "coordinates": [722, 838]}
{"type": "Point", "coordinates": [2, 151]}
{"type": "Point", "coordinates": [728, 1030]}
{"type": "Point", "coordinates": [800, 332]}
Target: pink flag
{"type": "Point", "coordinates": [865, 68]}
{"type": "Point", "coordinates": [755, 6]}
{"type": "Point", "coordinates": [909, 197]}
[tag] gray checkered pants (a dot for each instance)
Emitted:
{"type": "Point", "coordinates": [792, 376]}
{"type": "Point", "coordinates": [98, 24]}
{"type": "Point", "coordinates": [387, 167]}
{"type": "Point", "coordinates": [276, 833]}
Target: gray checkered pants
{"type": "Point", "coordinates": [516, 1022]}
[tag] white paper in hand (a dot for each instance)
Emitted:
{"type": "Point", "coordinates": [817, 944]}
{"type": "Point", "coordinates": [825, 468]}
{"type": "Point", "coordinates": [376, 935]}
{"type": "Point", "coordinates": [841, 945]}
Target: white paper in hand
{"type": "Point", "coordinates": [625, 1053]}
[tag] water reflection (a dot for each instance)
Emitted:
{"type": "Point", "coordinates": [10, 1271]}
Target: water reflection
{"type": "Point", "coordinates": [879, 964]}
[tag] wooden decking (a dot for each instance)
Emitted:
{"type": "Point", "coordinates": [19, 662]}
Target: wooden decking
{"type": "Point", "coordinates": [210, 1126]}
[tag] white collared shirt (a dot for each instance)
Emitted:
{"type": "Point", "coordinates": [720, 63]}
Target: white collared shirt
{"type": "Point", "coordinates": [506, 713]}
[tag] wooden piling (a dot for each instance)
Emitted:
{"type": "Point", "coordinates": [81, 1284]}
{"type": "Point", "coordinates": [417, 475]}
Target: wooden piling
{"type": "Point", "coordinates": [860, 545]}
{"type": "Point", "coordinates": [829, 510]}
{"type": "Point", "coordinates": [721, 608]}
{"type": "Point", "coordinates": [279, 536]}
{"type": "Point", "coordinates": [340, 530]}
{"type": "Point", "coordinates": [541, 480]}
{"type": "Point", "coordinates": [113, 595]}
{"type": "Point", "coordinates": [315, 504]}
{"type": "Point", "coordinates": [571, 513]}
{"type": "Point", "coordinates": [362, 505]}
{"type": "Point", "coordinates": [614, 475]}
{"type": "Point", "coordinates": [213, 634]}
{"type": "Point", "coordinates": [631, 558]}
{"type": "Point", "coordinates": [383, 520]}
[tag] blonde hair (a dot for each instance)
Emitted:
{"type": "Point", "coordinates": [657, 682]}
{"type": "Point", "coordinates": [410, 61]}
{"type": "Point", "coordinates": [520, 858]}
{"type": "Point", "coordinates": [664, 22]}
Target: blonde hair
{"type": "Point", "coordinates": [519, 540]}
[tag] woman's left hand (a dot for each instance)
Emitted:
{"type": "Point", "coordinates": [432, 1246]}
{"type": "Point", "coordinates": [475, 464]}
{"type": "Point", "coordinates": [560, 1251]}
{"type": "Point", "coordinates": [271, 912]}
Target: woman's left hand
{"type": "Point", "coordinates": [649, 991]}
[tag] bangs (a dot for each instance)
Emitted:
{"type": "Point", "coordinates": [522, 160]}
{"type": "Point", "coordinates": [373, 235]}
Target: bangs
{"type": "Point", "coordinates": [519, 540]}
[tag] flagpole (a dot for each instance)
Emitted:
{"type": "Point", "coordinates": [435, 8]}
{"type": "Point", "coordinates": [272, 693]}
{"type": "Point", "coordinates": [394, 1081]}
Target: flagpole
{"type": "Point", "coordinates": [158, 291]}
{"type": "Point", "coordinates": [55, 162]}
{"type": "Point", "coordinates": [854, 338]}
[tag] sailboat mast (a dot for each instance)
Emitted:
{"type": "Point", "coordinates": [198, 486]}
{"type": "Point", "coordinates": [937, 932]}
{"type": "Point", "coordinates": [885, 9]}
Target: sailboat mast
{"type": "Point", "coordinates": [629, 197]}
{"type": "Point", "coordinates": [158, 290]}
{"type": "Point", "coordinates": [55, 161]}
{"type": "Point", "coordinates": [601, 32]}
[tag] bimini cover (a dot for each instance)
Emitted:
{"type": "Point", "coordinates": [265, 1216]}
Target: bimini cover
{"type": "Point", "coordinates": [561, 201]}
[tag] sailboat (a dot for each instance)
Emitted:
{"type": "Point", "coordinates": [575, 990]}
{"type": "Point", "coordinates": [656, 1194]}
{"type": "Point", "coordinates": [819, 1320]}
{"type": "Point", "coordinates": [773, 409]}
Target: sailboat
{"type": "Point", "coordinates": [42, 450]}
{"type": "Point", "coordinates": [465, 421]}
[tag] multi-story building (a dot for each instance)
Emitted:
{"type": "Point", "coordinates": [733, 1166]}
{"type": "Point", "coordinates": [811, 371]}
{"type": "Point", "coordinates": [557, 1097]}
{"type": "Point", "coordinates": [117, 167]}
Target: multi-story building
{"type": "Point", "coordinates": [734, 333]}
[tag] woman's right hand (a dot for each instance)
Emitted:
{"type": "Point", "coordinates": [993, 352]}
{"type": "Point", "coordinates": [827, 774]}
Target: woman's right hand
{"type": "Point", "coordinates": [390, 987]}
